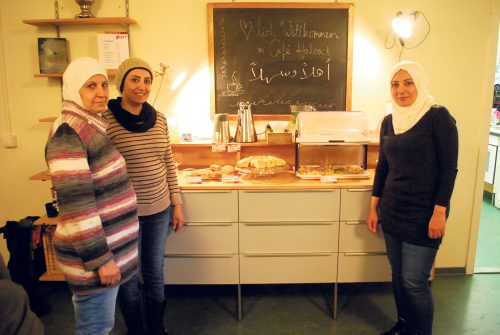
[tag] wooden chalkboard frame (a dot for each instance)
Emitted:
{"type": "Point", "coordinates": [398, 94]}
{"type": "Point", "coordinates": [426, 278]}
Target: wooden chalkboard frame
{"type": "Point", "coordinates": [349, 7]}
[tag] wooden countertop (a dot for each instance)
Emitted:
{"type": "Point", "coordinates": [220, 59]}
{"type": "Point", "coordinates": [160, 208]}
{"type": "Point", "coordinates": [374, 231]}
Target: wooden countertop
{"type": "Point", "coordinates": [283, 181]}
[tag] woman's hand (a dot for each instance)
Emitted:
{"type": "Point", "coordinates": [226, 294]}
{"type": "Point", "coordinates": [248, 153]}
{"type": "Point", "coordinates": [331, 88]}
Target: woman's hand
{"type": "Point", "coordinates": [109, 273]}
{"type": "Point", "coordinates": [372, 220]}
{"type": "Point", "coordinates": [177, 218]}
{"type": "Point", "coordinates": [437, 224]}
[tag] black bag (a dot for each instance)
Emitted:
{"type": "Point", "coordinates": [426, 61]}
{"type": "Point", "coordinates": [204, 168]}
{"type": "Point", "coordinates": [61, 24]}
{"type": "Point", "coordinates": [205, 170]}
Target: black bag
{"type": "Point", "coordinates": [27, 260]}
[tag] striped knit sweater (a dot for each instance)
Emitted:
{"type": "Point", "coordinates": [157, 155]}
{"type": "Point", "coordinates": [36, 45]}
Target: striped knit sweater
{"type": "Point", "coordinates": [98, 214]}
{"type": "Point", "coordinates": [150, 163]}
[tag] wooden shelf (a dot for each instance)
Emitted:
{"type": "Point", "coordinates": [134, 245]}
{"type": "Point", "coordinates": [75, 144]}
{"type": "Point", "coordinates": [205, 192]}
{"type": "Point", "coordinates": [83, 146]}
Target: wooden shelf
{"type": "Point", "coordinates": [111, 73]}
{"type": "Point", "coordinates": [80, 22]}
{"type": "Point", "coordinates": [48, 119]}
{"type": "Point", "coordinates": [52, 277]}
{"type": "Point", "coordinates": [199, 144]}
{"type": "Point", "coordinates": [48, 75]}
{"type": "Point", "coordinates": [44, 175]}
{"type": "Point", "coordinates": [44, 219]}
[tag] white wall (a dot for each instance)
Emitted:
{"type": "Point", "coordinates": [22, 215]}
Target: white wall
{"type": "Point", "coordinates": [459, 57]}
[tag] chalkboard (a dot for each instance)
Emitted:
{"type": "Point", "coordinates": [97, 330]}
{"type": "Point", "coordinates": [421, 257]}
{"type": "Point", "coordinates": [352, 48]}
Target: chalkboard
{"type": "Point", "coordinates": [274, 55]}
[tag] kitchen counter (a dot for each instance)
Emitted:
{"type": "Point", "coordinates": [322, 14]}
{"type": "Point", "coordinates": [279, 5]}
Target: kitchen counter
{"type": "Point", "coordinates": [282, 181]}
{"type": "Point", "coordinates": [276, 230]}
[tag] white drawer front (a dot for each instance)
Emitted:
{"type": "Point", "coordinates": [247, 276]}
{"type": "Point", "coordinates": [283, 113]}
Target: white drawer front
{"type": "Point", "coordinates": [201, 238]}
{"type": "Point", "coordinates": [193, 269]}
{"type": "Point", "coordinates": [355, 237]}
{"type": "Point", "coordinates": [312, 205]}
{"type": "Point", "coordinates": [355, 204]}
{"type": "Point", "coordinates": [288, 237]}
{"type": "Point", "coordinates": [210, 206]}
{"type": "Point", "coordinates": [288, 268]}
{"type": "Point", "coordinates": [363, 267]}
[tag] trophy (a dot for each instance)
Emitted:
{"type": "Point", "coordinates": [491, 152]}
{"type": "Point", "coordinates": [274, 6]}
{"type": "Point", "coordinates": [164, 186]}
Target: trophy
{"type": "Point", "coordinates": [85, 6]}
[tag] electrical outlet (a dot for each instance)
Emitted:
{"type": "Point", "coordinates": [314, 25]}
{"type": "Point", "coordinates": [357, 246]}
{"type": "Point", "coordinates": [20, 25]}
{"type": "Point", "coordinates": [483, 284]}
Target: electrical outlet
{"type": "Point", "coordinates": [9, 140]}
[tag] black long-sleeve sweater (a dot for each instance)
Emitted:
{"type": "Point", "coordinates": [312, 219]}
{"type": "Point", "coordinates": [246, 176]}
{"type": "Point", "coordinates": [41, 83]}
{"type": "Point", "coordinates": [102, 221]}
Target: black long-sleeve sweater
{"type": "Point", "coordinates": [415, 171]}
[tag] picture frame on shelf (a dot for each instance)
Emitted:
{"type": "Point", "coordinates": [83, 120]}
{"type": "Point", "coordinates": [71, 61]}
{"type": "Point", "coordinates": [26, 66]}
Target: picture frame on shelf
{"type": "Point", "coordinates": [53, 55]}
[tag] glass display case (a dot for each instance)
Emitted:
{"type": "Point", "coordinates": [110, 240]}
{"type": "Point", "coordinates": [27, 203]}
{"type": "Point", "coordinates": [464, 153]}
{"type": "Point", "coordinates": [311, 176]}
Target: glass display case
{"type": "Point", "coordinates": [331, 144]}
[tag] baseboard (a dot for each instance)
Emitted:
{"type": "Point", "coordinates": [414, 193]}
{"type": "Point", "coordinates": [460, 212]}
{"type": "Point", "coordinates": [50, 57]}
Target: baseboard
{"type": "Point", "coordinates": [487, 269]}
{"type": "Point", "coordinates": [450, 271]}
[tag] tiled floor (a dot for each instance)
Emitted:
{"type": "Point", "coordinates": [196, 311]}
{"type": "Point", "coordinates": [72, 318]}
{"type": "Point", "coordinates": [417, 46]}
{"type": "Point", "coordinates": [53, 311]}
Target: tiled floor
{"type": "Point", "coordinates": [465, 305]}
{"type": "Point", "coordinates": [488, 244]}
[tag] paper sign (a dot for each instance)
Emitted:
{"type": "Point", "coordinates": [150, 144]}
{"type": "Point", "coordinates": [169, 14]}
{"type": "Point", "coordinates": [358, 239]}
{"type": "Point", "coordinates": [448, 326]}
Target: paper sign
{"type": "Point", "coordinates": [233, 147]}
{"type": "Point", "coordinates": [218, 147]}
{"type": "Point", "coordinates": [231, 179]}
{"type": "Point", "coordinates": [193, 180]}
{"type": "Point", "coordinates": [328, 179]}
{"type": "Point", "coordinates": [113, 49]}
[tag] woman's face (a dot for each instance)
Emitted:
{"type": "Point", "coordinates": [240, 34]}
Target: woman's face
{"type": "Point", "coordinates": [403, 89]}
{"type": "Point", "coordinates": [95, 94]}
{"type": "Point", "coordinates": [136, 87]}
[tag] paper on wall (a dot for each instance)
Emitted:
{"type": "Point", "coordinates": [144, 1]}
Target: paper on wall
{"type": "Point", "coordinates": [113, 48]}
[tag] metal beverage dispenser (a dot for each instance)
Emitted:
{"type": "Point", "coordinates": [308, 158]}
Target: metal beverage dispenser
{"type": "Point", "coordinates": [245, 130]}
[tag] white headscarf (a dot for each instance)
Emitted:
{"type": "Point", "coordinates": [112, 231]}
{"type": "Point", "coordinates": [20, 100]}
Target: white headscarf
{"type": "Point", "coordinates": [403, 118]}
{"type": "Point", "coordinates": [77, 73]}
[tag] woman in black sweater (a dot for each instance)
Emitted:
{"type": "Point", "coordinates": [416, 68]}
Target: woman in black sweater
{"type": "Point", "coordinates": [413, 183]}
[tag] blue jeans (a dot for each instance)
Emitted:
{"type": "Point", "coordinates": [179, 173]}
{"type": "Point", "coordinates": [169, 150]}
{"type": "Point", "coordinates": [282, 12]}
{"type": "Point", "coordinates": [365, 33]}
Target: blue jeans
{"type": "Point", "coordinates": [153, 231]}
{"type": "Point", "coordinates": [95, 314]}
{"type": "Point", "coordinates": [411, 266]}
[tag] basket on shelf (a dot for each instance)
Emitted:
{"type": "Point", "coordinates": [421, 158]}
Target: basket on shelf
{"type": "Point", "coordinates": [49, 251]}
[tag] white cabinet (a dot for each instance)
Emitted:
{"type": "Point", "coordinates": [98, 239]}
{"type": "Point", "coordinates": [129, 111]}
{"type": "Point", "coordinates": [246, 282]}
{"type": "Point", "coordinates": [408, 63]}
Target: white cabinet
{"type": "Point", "coordinates": [288, 236]}
{"type": "Point", "coordinates": [210, 206]}
{"type": "Point", "coordinates": [288, 268]}
{"type": "Point", "coordinates": [289, 205]}
{"type": "Point", "coordinates": [205, 250]}
{"type": "Point", "coordinates": [494, 141]}
{"type": "Point", "coordinates": [272, 252]}
{"type": "Point", "coordinates": [491, 160]}
{"type": "Point", "coordinates": [275, 236]}
{"type": "Point", "coordinates": [362, 256]}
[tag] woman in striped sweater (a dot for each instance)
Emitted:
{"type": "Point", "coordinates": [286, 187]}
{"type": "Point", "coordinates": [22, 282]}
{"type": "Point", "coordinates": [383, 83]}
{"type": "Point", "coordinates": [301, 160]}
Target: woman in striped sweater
{"type": "Point", "coordinates": [140, 133]}
{"type": "Point", "coordinates": [96, 239]}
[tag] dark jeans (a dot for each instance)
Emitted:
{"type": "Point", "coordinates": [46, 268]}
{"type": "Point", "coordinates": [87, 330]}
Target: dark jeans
{"type": "Point", "coordinates": [411, 266]}
{"type": "Point", "coordinates": [153, 231]}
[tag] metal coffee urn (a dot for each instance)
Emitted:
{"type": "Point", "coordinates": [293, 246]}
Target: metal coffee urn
{"type": "Point", "coordinates": [245, 130]}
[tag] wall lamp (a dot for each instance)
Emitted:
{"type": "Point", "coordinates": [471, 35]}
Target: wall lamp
{"type": "Point", "coordinates": [402, 25]}
{"type": "Point", "coordinates": [405, 28]}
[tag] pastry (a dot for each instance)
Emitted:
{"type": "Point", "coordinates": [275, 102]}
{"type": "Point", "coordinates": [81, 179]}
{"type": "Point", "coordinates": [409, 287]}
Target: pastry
{"type": "Point", "coordinates": [261, 162]}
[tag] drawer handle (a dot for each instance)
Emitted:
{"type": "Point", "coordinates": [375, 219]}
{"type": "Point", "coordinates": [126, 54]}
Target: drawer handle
{"type": "Point", "coordinates": [354, 222]}
{"type": "Point", "coordinates": [288, 223]}
{"type": "Point", "coordinates": [199, 255]}
{"type": "Point", "coordinates": [207, 191]}
{"type": "Point", "coordinates": [286, 254]}
{"type": "Point", "coordinates": [288, 191]}
{"type": "Point", "coordinates": [365, 253]}
{"type": "Point", "coordinates": [208, 224]}
{"type": "Point", "coordinates": [359, 190]}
